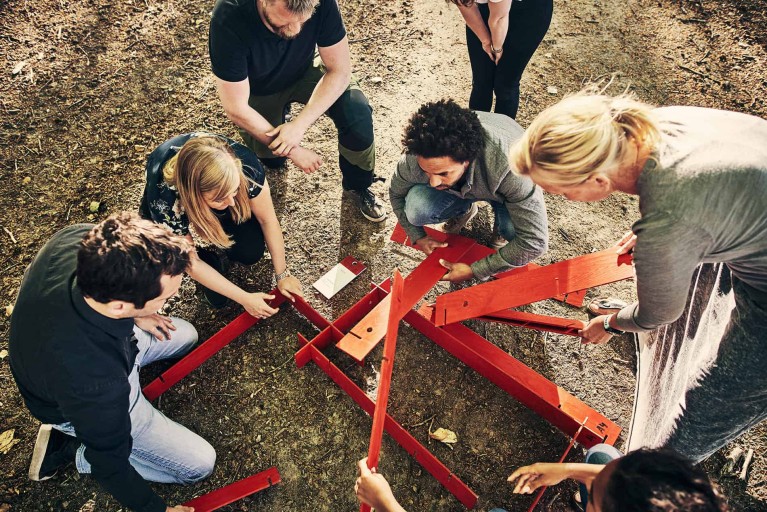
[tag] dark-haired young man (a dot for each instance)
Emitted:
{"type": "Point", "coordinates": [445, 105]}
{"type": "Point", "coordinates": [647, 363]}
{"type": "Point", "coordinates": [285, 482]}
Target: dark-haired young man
{"type": "Point", "coordinates": [263, 55]}
{"type": "Point", "coordinates": [84, 323]}
{"type": "Point", "coordinates": [453, 158]}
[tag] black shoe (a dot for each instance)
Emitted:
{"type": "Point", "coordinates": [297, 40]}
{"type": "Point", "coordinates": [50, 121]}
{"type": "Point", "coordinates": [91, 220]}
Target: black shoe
{"type": "Point", "coordinates": [53, 450]}
{"type": "Point", "coordinates": [214, 299]}
{"type": "Point", "coordinates": [370, 206]}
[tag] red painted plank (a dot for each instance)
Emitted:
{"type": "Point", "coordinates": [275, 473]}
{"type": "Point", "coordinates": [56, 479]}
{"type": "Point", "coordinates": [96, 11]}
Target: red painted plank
{"type": "Point", "coordinates": [205, 350]}
{"type": "Point", "coordinates": [479, 251]}
{"type": "Point", "coordinates": [236, 491]}
{"type": "Point", "coordinates": [569, 326]}
{"type": "Point", "coordinates": [430, 463]}
{"type": "Point", "coordinates": [587, 271]}
{"type": "Point", "coordinates": [539, 394]}
{"type": "Point", "coordinates": [364, 336]}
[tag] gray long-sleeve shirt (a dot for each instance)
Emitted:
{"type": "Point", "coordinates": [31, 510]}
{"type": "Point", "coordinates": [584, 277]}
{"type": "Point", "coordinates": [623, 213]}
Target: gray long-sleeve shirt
{"type": "Point", "coordinates": [488, 178]}
{"type": "Point", "coordinates": [703, 199]}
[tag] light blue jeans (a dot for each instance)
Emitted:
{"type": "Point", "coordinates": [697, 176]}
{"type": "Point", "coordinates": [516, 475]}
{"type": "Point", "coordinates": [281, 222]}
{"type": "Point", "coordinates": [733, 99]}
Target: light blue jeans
{"type": "Point", "coordinates": [163, 450]}
{"type": "Point", "coordinates": [427, 205]}
{"type": "Point", "coordinates": [598, 454]}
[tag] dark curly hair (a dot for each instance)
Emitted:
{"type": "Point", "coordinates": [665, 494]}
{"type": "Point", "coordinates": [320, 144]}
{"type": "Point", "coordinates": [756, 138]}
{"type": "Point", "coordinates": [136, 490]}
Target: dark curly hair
{"type": "Point", "coordinates": [443, 128]}
{"type": "Point", "coordinates": [124, 257]}
{"type": "Point", "coordinates": [660, 481]}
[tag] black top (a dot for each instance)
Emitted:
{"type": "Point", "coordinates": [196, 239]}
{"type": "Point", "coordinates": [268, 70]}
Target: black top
{"type": "Point", "coordinates": [161, 204]}
{"type": "Point", "coordinates": [242, 47]}
{"type": "Point", "coordinates": [71, 364]}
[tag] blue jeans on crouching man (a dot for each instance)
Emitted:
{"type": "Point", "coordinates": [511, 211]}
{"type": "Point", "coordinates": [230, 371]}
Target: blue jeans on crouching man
{"type": "Point", "coordinates": [163, 450]}
{"type": "Point", "coordinates": [427, 205]}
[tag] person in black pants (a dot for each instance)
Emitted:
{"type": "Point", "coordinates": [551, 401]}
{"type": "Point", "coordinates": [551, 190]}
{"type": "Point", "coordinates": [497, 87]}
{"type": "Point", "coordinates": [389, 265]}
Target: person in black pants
{"type": "Point", "coordinates": [501, 36]}
{"type": "Point", "coordinates": [217, 186]}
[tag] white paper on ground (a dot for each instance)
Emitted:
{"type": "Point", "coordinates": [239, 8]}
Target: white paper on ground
{"type": "Point", "coordinates": [334, 280]}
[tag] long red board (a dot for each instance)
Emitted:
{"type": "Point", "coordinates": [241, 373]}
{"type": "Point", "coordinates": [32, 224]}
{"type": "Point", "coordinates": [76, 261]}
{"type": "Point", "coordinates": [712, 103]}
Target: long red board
{"type": "Point", "coordinates": [236, 491]}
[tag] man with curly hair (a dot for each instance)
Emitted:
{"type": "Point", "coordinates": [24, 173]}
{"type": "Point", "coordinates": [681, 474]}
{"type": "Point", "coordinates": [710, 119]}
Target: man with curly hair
{"type": "Point", "coordinates": [453, 158]}
{"type": "Point", "coordinates": [84, 323]}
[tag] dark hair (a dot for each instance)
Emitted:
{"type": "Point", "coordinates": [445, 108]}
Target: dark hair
{"type": "Point", "coordinates": [463, 3]}
{"type": "Point", "coordinates": [124, 257]}
{"type": "Point", "coordinates": [660, 481]}
{"type": "Point", "coordinates": [444, 128]}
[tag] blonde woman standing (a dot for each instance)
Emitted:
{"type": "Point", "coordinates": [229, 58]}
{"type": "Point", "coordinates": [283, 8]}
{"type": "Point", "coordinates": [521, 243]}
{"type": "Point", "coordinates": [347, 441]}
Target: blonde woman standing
{"type": "Point", "coordinates": [216, 188]}
{"type": "Point", "coordinates": [701, 178]}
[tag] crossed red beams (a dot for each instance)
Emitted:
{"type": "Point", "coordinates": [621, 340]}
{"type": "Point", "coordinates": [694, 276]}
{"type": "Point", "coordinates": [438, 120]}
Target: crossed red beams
{"type": "Point", "coordinates": [361, 327]}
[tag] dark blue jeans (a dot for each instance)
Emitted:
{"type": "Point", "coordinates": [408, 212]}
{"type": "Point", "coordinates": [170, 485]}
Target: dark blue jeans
{"type": "Point", "coordinates": [598, 454]}
{"type": "Point", "coordinates": [427, 205]}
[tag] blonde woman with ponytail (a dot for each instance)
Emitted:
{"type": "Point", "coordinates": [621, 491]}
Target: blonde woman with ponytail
{"type": "Point", "coordinates": [701, 178]}
{"type": "Point", "coordinates": [216, 188]}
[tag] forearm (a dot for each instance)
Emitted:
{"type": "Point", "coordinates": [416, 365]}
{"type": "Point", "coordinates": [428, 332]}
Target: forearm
{"type": "Point", "coordinates": [499, 27]}
{"type": "Point", "coordinates": [210, 278]}
{"type": "Point", "coordinates": [234, 99]}
{"type": "Point", "coordinates": [275, 242]}
{"type": "Point", "coordinates": [328, 90]}
{"type": "Point", "coordinates": [582, 472]}
{"type": "Point", "coordinates": [474, 21]}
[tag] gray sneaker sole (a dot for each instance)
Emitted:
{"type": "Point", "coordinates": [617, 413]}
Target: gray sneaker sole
{"type": "Point", "coordinates": [38, 453]}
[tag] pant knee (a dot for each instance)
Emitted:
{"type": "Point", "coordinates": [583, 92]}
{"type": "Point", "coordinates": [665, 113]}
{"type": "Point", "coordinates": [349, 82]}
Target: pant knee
{"type": "Point", "coordinates": [185, 332]}
{"type": "Point", "coordinates": [249, 254]}
{"type": "Point", "coordinates": [202, 464]}
{"type": "Point", "coordinates": [416, 210]}
{"type": "Point", "coordinates": [353, 117]}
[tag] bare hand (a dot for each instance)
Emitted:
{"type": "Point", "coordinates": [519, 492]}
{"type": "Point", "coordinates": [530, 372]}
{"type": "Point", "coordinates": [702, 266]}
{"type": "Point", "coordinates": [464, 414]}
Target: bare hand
{"type": "Point", "coordinates": [457, 272]}
{"type": "Point", "coordinates": [305, 159]}
{"type": "Point", "coordinates": [179, 508]}
{"type": "Point", "coordinates": [594, 333]}
{"type": "Point", "coordinates": [626, 244]}
{"type": "Point", "coordinates": [488, 47]}
{"type": "Point", "coordinates": [538, 475]}
{"type": "Point", "coordinates": [373, 489]}
{"type": "Point", "coordinates": [427, 244]}
{"type": "Point", "coordinates": [156, 324]}
{"type": "Point", "coordinates": [256, 305]}
{"type": "Point", "coordinates": [290, 286]}
{"type": "Point", "coordinates": [287, 137]}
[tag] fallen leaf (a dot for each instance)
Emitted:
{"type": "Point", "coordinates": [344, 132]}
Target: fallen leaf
{"type": "Point", "coordinates": [7, 441]}
{"type": "Point", "coordinates": [4, 507]}
{"type": "Point", "coordinates": [9, 310]}
{"type": "Point", "coordinates": [444, 435]}
{"type": "Point", "coordinates": [94, 206]}
{"type": "Point", "coordinates": [552, 90]}
{"type": "Point", "coordinates": [88, 506]}
{"type": "Point", "coordinates": [3, 354]}
{"type": "Point", "coordinates": [18, 67]}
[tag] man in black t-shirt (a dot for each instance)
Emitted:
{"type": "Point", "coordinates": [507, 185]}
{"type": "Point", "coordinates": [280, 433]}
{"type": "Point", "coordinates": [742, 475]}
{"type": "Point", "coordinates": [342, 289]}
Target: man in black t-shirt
{"type": "Point", "coordinates": [263, 55]}
{"type": "Point", "coordinates": [84, 323]}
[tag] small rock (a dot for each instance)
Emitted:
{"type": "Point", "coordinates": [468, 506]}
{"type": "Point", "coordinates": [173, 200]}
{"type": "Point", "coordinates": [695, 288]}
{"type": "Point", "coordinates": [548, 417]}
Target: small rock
{"type": "Point", "coordinates": [547, 55]}
{"type": "Point", "coordinates": [376, 79]}
{"type": "Point", "coordinates": [552, 90]}
{"type": "Point", "coordinates": [3, 354]}
{"type": "Point", "coordinates": [9, 310]}
{"type": "Point", "coordinates": [18, 67]}
{"type": "Point", "coordinates": [94, 206]}
{"type": "Point", "coordinates": [26, 180]}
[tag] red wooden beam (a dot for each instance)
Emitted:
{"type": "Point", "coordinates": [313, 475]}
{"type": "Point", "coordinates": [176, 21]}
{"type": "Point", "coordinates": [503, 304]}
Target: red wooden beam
{"type": "Point", "coordinates": [536, 392]}
{"type": "Point", "coordinates": [205, 350]}
{"type": "Point", "coordinates": [387, 366]}
{"type": "Point", "coordinates": [569, 326]}
{"type": "Point", "coordinates": [364, 336]}
{"type": "Point", "coordinates": [430, 463]}
{"type": "Point", "coordinates": [236, 491]}
{"type": "Point", "coordinates": [587, 271]}
{"type": "Point", "coordinates": [479, 251]}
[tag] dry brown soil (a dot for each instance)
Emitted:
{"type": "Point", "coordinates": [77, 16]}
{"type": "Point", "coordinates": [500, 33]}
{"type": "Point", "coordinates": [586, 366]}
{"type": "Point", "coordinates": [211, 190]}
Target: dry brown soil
{"type": "Point", "coordinates": [105, 82]}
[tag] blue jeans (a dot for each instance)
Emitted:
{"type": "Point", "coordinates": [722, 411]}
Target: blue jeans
{"type": "Point", "coordinates": [163, 450]}
{"type": "Point", "coordinates": [427, 205]}
{"type": "Point", "coordinates": [598, 454]}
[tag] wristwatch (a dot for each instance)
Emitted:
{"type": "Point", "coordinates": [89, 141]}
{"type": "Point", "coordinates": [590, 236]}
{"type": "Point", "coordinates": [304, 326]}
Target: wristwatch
{"type": "Point", "coordinates": [608, 328]}
{"type": "Point", "coordinates": [282, 275]}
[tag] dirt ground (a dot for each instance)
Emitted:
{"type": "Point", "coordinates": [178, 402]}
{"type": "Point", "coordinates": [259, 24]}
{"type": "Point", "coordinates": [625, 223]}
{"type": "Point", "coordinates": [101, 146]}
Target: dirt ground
{"type": "Point", "coordinates": [103, 83]}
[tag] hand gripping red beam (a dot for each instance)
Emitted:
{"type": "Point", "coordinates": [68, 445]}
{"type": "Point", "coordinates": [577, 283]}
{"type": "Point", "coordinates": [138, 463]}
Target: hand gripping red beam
{"type": "Point", "coordinates": [587, 271]}
{"type": "Point", "coordinates": [236, 491]}
{"type": "Point", "coordinates": [205, 350]}
{"type": "Point", "coordinates": [387, 366]}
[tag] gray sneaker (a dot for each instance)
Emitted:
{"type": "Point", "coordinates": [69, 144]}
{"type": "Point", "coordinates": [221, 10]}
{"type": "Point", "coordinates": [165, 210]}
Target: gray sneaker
{"type": "Point", "coordinates": [370, 206]}
{"type": "Point", "coordinates": [456, 224]}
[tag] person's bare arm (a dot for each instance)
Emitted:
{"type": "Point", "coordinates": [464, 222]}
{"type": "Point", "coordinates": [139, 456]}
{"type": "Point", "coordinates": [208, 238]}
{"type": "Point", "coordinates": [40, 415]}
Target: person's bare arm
{"type": "Point", "coordinates": [498, 22]}
{"type": "Point", "coordinates": [234, 98]}
{"type": "Point", "coordinates": [530, 478]}
{"type": "Point", "coordinates": [474, 21]}
{"type": "Point", "coordinates": [337, 61]}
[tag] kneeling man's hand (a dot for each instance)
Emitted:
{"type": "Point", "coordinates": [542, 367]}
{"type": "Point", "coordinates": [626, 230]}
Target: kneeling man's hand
{"type": "Point", "coordinates": [427, 244]}
{"type": "Point", "coordinates": [179, 508]}
{"type": "Point", "coordinates": [305, 159]}
{"type": "Point", "coordinates": [156, 324]}
{"type": "Point", "coordinates": [457, 272]}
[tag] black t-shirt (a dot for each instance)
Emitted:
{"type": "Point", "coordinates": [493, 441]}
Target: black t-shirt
{"type": "Point", "coordinates": [71, 364]}
{"type": "Point", "coordinates": [241, 46]}
{"type": "Point", "coordinates": [161, 203]}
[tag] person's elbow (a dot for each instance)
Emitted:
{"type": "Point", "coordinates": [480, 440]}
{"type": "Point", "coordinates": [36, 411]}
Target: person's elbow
{"type": "Point", "coordinates": [538, 246]}
{"type": "Point", "coordinates": [497, 20]}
